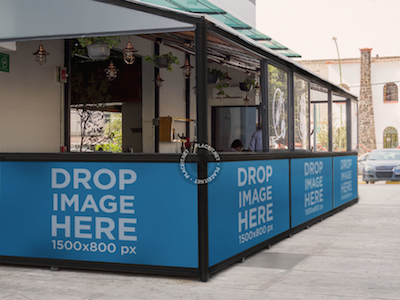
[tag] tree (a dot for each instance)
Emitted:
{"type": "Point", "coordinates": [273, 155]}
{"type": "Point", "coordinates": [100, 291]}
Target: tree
{"type": "Point", "coordinates": [338, 135]}
{"type": "Point", "coordinates": [113, 132]}
{"type": "Point", "coordinates": [90, 93]}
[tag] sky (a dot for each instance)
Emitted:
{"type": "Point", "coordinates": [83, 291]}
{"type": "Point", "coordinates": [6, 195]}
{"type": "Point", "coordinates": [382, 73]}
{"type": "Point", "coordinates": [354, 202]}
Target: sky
{"type": "Point", "coordinates": [308, 26]}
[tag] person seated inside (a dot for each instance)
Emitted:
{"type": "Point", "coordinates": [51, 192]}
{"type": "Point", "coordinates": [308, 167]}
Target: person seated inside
{"type": "Point", "coordinates": [236, 146]}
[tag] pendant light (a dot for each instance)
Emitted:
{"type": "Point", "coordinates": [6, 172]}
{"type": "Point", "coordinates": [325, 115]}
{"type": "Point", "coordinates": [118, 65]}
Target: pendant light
{"type": "Point", "coordinates": [129, 58]}
{"type": "Point", "coordinates": [111, 71]}
{"type": "Point", "coordinates": [158, 81]}
{"type": "Point", "coordinates": [187, 69]}
{"type": "Point", "coordinates": [41, 55]}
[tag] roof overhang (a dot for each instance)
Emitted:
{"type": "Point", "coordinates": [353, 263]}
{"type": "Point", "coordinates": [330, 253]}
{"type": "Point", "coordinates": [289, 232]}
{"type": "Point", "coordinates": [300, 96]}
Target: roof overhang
{"type": "Point", "coordinates": [62, 19]}
{"type": "Point", "coordinates": [47, 19]}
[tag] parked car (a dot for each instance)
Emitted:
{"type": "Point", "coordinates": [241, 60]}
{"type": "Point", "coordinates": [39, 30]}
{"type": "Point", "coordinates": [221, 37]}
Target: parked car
{"type": "Point", "coordinates": [382, 165]}
{"type": "Point", "coordinates": [360, 162]}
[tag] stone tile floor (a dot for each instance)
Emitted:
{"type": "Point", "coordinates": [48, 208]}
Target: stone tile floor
{"type": "Point", "coordinates": [353, 255]}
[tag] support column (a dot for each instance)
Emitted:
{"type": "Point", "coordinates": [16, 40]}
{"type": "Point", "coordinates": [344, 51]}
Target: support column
{"type": "Point", "coordinates": [330, 121]}
{"type": "Point", "coordinates": [67, 94]}
{"type": "Point", "coordinates": [156, 104]}
{"type": "Point", "coordinates": [187, 97]}
{"type": "Point", "coordinates": [264, 105]}
{"type": "Point", "coordinates": [290, 109]}
{"type": "Point", "coordinates": [349, 124]}
{"type": "Point", "coordinates": [366, 108]}
{"type": "Point", "coordinates": [202, 137]}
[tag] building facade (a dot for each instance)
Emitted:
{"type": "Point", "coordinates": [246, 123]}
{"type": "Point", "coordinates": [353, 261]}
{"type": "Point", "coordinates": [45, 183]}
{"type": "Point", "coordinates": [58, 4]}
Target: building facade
{"type": "Point", "coordinates": [385, 82]}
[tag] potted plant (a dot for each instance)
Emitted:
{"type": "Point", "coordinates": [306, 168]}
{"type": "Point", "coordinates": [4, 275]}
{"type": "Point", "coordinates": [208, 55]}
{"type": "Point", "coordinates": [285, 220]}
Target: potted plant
{"type": "Point", "coordinates": [163, 61]}
{"type": "Point", "coordinates": [247, 85]}
{"type": "Point", "coordinates": [221, 86]}
{"type": "Point", "coordinates": [214, 75]}
{"type": "Point", "coordinates": [98, 48]}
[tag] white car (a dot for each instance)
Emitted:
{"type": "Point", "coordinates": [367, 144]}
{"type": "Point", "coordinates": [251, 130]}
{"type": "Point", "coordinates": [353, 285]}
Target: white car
{"type": "Point", "coordinates": [360, 163]}
{"type": "Point", "coordinates": [382, 165]}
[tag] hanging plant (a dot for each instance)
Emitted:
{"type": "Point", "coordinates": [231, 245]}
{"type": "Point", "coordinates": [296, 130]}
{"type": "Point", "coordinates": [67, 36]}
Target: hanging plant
{"type": "Point", "coordinates": [163, 61]}
{"type": "Point", "coordinates": [98, 48]}
{"type": "Point", "coordinates": [214, 75]}
{"type": "Point", "coordinates": [221, 87]}
{"type": "Point", "coordinates": [247, 85]}
{"type": "Point", "coordinates": [111, 41]}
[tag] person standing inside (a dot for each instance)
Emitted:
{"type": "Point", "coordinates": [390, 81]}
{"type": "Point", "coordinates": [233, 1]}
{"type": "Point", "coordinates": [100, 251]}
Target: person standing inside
{"type": "Point", "coordinates": [256, 141]}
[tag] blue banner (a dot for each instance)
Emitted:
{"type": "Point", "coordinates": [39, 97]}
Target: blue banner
{"type": "Point", "coordinates": [131, 213]}
{"type": "Point", "coordinates": [311, 188]}
{"type": "Point", "coordinates": [248, 203]}
{"type": "Point", "coordinates": [345, 179]}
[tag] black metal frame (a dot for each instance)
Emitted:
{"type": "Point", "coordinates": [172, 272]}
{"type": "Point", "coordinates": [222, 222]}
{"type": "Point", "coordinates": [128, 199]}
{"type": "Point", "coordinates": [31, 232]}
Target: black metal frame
{"type": "Point", "coordinates": [266, 57]}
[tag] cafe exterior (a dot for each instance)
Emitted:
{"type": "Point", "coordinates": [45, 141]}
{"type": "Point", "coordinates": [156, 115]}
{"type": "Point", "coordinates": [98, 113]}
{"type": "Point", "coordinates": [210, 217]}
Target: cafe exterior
{"type": "Point", "coordinates": [172, 200]}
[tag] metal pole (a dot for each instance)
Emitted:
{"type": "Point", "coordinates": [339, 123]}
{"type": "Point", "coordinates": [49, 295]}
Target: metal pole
{"type": "Point", "coordinates": [67, 94]}
{"type": "Point", "coordinates": [202, 136]}
{"type": "Point", "coordinates": [290, 109]}
{"type": "Point", "coordinates": [349, 123]}
{"type": "Point", "coordinates": [264, 105]}
{"type": "Point", "coordinates": [330, 122]}
{"type": "Point", "coordinates": [156, 103]}
{"type": "Point", "coordinates": [340, 78]}
{"type": "Point", "coordinates": [315, 126]}
{"type": "Point", "coordinates": [187, 94]}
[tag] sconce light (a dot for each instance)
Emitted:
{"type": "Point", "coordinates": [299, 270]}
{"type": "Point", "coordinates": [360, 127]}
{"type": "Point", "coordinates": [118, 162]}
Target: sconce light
{"type": "Point", "coordinates": [187, 69]}
{"type": "Point", "coordinates": [111, 71]}
{"type": "Point", "coordinates": [129, 58]}
{"type": "Point", "coordinates": [158, 81]}
{"type": "Point", "coordinates": [41, 55]}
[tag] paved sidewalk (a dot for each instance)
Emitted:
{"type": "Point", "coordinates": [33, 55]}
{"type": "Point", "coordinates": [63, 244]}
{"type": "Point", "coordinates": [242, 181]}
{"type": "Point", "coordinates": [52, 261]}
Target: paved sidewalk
{"type": "Point", "coordinates": [353, 255]}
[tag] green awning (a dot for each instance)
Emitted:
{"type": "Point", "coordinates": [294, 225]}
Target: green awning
{"type": "Point", "coordinates": [206, 7]}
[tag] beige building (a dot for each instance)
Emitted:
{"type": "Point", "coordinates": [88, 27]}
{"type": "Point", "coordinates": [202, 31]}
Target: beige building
{"type": "Point", "coordinates": [384, 77]}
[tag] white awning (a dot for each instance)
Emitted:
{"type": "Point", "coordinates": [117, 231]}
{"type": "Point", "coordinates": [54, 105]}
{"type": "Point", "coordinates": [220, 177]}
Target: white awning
{"type": "Point", "coordinates": [49, 19]}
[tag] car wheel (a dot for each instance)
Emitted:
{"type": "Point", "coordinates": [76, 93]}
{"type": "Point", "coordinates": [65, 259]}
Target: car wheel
{"type": "Point", "coordinates": [372, 182]}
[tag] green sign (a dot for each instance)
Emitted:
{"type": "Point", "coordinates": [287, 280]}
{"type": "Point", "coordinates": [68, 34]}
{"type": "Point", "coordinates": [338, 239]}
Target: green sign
{"type": "Point", "coordinates": [4, 62]}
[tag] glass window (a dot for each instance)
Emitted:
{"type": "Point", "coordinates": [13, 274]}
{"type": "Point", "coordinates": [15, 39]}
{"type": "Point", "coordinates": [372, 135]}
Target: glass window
{"type": "Point", "coordinates": [231, 123]}
{"type": "Point", "coordinates": [339, 126]}
{"type": "Point", "coordinates": [278, 108]}
{"type": "Point", "coordinates": [354, 125]}
{"type": "Point", "coordinates": [106, 115]}
{"type": "Point", "coordinates": [301, 114]}
{"type": "Point", "coordinates": [319, 126]}
{"type": "Point", "coordinates": [319, 119]}
{"type": "Point", "coordinates": [390, 138]}
{"type": "Point", "coordinates": [390, 92]}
